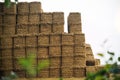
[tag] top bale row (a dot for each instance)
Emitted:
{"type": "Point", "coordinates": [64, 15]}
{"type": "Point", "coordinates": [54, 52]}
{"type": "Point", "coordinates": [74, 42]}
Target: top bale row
{"type": "Point", "coordinates": [21, 8]}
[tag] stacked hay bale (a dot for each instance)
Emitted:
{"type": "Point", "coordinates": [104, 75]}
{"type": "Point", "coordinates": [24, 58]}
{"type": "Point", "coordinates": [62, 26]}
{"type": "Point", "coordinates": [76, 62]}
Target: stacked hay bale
{"type": "Point", "coordinates": [25, 29]}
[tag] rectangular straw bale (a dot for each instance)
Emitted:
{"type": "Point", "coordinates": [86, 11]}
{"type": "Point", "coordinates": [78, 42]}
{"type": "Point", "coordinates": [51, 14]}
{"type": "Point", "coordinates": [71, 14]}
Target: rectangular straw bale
{"type": "Point", "coordinates": [74, 28]}
{"type": "Point", "coordinates": [79, 38]}
{"type": "Point", "coordinates": [79, 72]}
{"type": "Point", "coordinates": [16, 64]}
{"type": "Point", "coordinates": [55, 39]}
{"type": "Point", "coordinates": [19, 41]}
{"type": "Point", "coordinates": [31, 50]}
{"type": "Point", "coordinates": [35, 7]}
{"type": "Point", "coordinates": [1, 30]}
{"type": "Point", "coordinates": [31, 41]}
{"type": "Point", "coordinates": [6, 53]}
{"type": "Point", "coordinates": [43, 40]}
{"type": "Point", "coordinates": [58, 18]}
{"type": "Point", "coordinates": [11, 10]}
{"type": "Point", "coordinates": [7, 63]}
{"type": "Point", "coordinates": [97, 61]}
{"type": "Point", "coordinates": [67, 72]}
{"type": "Point", "coordinates": [22, 29]}
{"type": "Point", "coordinates": [90, 62]}
{"type": "Point", "coordinates": [34, 18]}
{"type": "Point", "coordinates": [98, 68]}
{"type": "Point", "coordinates": [54, 72]}
{"type": "Point", "coordinates": [67, 61]}
{"type": "Point", "coordinates": [45, 28]}
{"type": "Point", "coordinates": [74, 18]}
{"type": "Point", "coordinates": [43, 52]}
{"type": "Point", "coordinates": [9, 19]}
{"type": "Point", "coordinates": [58, 28]}
{"type": "Point", "coordinates": [23, 8]}
{"type": "Point", "coordinates": [1, 7]}
{"type": "Point", "coordinates": [55, 50]}
{"type": "Point", "coordinates": [21, 73]}
{"type": "Point", "coordinates": [90, 69]}
{"type": "Point", "coordinates": [67, 50]}
{"type": "Point", "coordinates": [89, 56]}
{"type": "Point", "coordinates": [1, 19]}
{"type": "Point", "coordinates": [80, 60]}
{"type": "Point", "coordinates": [44, 73]}
{"type": "Point", "coordinates": [46, 18]}
{"type": "Point", "coordinates": [9, 29]}
{"type": "Point", "coordinates": [55, 62]}
{"type": "Point", "coordinates": [79, 48]}
{"type": "Point", "coordinates": [33, 28]}
{"type": "Point", "coordinates": [19, 52]}
{"type": "Point", "coordinates": [22, 19]}
{"type": "Point", "coordinates": [6, 42]}
{"type": "Point", "coordinates": [67, 38]}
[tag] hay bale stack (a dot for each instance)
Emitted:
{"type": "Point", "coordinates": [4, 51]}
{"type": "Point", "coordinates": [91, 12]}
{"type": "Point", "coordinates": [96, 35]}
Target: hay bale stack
{"type": "Point", "coordinates": [22, 19]}
{"type": "Point", "coordinates": [74, 23]}
{"type": "Point", "coordinates": [33, 29]}
{"type": "Point", "coordinates": [7, 53]}
{"type": "Point", "coordinates": [79, 49]}
{"type": "Point", "coordinates": [19, 53]}
{"type": "Point", "coordinates": [31, 41]}
{"type": "Point", "coordinates": [21, 29]}
{"type": "Point", "coordinates": [45, 28]}
{"type": "Point", "coordinates": [34, 19]}
{"type": "Point", "coordinates": [43, 73]}
{"type": "Point", "coordinates": [79, 38]}
{"type": "Point", "coordinates": [67, 61]}
{"type": "Point", "coordinates": [43, 39]}
{"type": "Point", "coordinates": [43, 52]}
{"type": "Point", "coordinates": [97, 62]}
{"type": "Point", "coordinates": [67, 50]}
{"type": "Point", "coordinates": [8, 29]}
{"type": "Point", "coordinates": [67, 72]}
{"type": "Point", "coordinates": [21, 73]}
{"type": "Point", "coordinates": [90, 69]}
{"type": "Point", "coordinates": [9, 19]}
{"type": "Point", "coordinates": [79, 72]}
{"type": "Point", "coordinates": [90, 62]}
{"type": "Point", "coordinates": [46, 18]}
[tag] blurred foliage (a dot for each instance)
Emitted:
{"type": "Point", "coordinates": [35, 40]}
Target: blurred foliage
{"type": "Point", "coordinates": [109, 72]}
{"type": "Point", "coordinates": [8, 3]}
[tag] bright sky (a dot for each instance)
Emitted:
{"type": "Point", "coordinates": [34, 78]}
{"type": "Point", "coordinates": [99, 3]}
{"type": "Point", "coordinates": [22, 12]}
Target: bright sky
{"type": "Point", "coordinates": [100, 20]}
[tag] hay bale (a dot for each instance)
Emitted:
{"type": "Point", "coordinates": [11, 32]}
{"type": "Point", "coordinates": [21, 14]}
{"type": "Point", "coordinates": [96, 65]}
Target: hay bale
{"type": "Point", "coordinates": [20, 73]}
{"type": "Point", "coordinates": [46, 18]}
{"type": "Point", "coordinates": [74, 18]}
{"type": "Point", "coordinates": [45, 28]}
{"type": "Point", "coordinates": [31, 41]}
{"type": "Point", "coordinates": [67, 72]}
{"type": "Point", "coordinates": [90, 69]}
{"type": "Point", "coordinates": [74, 28]}
{"type": "Point", "coordinates": [23, 7]}
{"type": "Point", "coordinates": [43, 52]}
{"type": "Point", "coordinates": [35, 7]}
{"type": "Point", "coordinates": [89, 56]}
{"type": "Point", "coordinates": [79, 49]}
{"type": "Point", "coordinates": [67, 50]}
{"type": "Point", "coordinates": [9, 29]}
{"type": "Point", "coordinates": [6, 53]}
{"type": "Point", "coordinates": [43, 39]}
{"type": "Point", "coordinates": [33, 28]}
{"type": "Point", "coordinates": [1, 19]}
{"type": "Point", "coordinates": [67, 38]}
{"type": "Point", "coordinates": [55, 62]}
{"type": "Point", "coordinates": [98, 68]}
{"type": "Point", "coordinates": [19, 41]}
{"type": "Point", "coordinates": [22, 29]}
{"type": "Point", "coordinates": [6, 42]}
{"type": "Point", "coordinates": [97, 61]}
{"type": "Point", "coordinates": [19, 53]}
{"type": "Point", "coordinates": [7, 63]}
{"type": "Point", "coordinates": [31, 50]}
{"type": "Point", "coordinates": [54, 50]}
{"type": "Point", "coordinates": [1, 30]}
{"type": "Point", "coordinates": [79, 38]}
{"type": "Point", "coordinates": [67, 61]}
{"type": "Point", "coordinates": [16, 64]}
{"type": "Point", "coordinates": [90, 62]}
{"type": "Point", "coordinates": [34, 18]}
{"type": "Point", "coordinates": [54, 72]}
{"type": "Point", "coordinates": [58, 18]}
{"type": "Point", "coordinates": [79, 72]}
{"type": "Point", "coordinates": [58, 28]}
{"type": "Point", "coordinates": [11, 10]}
{"type": "Point", "coordinates": [80, 60]}
{"type": "Point", "coordinates": [43, 73]}
{"type": "Point", "coordinates": [22, 19]}
{"type": "Point", "coordinates": [9, 19]}
{"type": "Point", "coordinates": [55, 38]}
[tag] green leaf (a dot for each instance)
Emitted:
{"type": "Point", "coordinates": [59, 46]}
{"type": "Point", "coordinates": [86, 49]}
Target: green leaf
{"type": "Point", "coordinates": [111, 59]}
{"type": "Point", "coordinates": [100, 54]}
{"type": "Point", "coordinates": [7, 3]}
{"type": "Point", "coordinates": [43, 64]}
{"type": "Point", "coordinates": [118, 58]}
{"type": "Point", "coordinates": [110, 53]}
